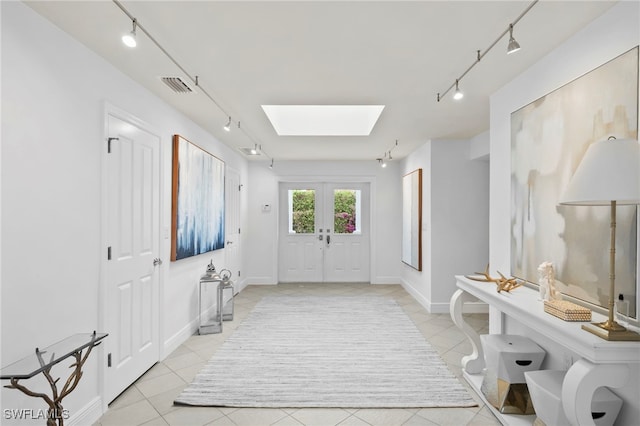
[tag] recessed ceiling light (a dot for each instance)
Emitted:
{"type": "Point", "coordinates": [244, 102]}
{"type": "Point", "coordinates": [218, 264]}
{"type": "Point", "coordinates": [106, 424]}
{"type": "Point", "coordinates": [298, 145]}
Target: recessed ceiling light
{"type": "Point", "coordinates": [323, 120]}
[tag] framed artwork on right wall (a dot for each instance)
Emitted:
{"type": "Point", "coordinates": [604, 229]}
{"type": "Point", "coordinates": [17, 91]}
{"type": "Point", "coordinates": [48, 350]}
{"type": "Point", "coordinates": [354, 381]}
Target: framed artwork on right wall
{"type": "Point", "coordinates": [549, 137]}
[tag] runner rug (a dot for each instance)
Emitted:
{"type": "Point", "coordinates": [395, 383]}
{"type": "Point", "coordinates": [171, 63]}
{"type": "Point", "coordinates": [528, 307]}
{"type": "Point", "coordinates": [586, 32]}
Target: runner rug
{"type": "Point", "coordinates": [348, 352]}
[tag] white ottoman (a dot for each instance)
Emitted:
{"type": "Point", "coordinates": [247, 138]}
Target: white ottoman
{"type": "Point", "coordinates": [545, 387]}
{"type": "Point", "coordinates": [507, 358]}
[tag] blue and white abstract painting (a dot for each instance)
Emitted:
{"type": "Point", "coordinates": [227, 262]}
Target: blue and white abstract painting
{"type": "Point", "coordinates": [198, 201]}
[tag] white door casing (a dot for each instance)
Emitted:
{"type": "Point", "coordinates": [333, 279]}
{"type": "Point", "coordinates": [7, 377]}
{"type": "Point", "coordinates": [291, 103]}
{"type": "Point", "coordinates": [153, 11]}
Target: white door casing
{"type": "Point", "coordinates": [232, 223]}
{"type": "Point", "coordinates": [131, 305]}
{"type": "Point", "coordinates": [323, 255]}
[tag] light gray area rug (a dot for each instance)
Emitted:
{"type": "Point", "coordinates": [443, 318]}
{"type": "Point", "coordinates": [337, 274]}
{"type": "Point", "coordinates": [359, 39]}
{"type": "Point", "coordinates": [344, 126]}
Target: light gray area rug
{"type": "Point", "coordinates": [348, 352]}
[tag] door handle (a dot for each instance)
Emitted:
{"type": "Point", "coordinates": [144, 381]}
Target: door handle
{"type": "Point", "coordinates": [229, 242]}
{"type": "Point", "coordinates": [157, 261]}
{"type": "Point", "coordinates": [328, 239]}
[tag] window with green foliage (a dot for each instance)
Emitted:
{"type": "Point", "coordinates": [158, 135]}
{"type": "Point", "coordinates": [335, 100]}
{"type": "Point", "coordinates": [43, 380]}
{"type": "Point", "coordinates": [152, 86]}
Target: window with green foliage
{"type": "Point", "coordinates": [345, 211]}
{"type": "Point", "coordinates": [303, 209]}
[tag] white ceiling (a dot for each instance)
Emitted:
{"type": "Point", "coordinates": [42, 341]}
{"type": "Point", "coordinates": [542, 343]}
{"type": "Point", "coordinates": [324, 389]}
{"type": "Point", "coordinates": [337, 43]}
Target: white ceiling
{"type": "Point", "coordinates": [397, 54]}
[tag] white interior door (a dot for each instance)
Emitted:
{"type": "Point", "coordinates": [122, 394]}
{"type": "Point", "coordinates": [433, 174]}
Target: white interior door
{"type": "Point", "coordinates": [232, 223]}
{"type": "Point", "coordinates": [132, 268]}
{"type": "Point", "coordinates": [324, 232]}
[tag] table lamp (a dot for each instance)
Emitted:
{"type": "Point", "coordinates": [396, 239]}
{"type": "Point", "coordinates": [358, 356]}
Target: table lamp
{"type": "Point", "coordinates": [608, 175]}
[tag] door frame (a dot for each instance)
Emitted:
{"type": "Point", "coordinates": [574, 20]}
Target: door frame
{"type": "Point", "coordinates": [111, 110]}
{"type": "Point", "coordinates": [370, 179]}
{"type": "Point", "coordinates": [238, 280]}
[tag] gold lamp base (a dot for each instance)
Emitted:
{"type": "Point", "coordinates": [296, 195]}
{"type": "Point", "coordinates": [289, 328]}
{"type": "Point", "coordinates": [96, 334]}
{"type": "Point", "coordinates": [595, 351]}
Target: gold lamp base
{"type": "Point", "coordinates": [611, 330]}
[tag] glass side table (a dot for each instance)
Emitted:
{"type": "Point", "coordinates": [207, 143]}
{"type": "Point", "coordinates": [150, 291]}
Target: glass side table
{"type": "Point", "coordinates": [43, 360]}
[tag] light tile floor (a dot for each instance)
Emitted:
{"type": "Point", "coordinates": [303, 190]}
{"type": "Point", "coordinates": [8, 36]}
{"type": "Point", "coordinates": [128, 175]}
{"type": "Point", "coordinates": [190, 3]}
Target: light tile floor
{"type": "Point", "coordinates": [149, 401]}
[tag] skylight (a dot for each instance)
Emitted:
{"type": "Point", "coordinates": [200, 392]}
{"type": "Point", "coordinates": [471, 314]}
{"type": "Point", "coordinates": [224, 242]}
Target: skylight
{"type": "Point", "coordinates": [323, 120]}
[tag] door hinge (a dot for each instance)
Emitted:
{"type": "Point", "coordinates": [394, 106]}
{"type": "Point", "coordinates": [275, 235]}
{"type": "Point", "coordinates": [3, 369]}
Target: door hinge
{"type": "Point", "coordinates": [238, 230]}
{"type": "Point", "coordinates": [109, 144]}
{"type": "Point", "coordinates": [238, 273]}
{"type": "Point", "coordinates": [109, 253]}
{"type": "Point", "coordinates": [109, 360]}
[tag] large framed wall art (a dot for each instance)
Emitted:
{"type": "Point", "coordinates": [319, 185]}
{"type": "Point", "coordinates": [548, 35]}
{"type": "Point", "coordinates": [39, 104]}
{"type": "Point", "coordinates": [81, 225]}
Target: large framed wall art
{"type": "Point", "coordinates": [197, 219]}
{"type": "Point", "coordinates": [412, 219]}
{"type": "Point", "coordinates": [548, 140]}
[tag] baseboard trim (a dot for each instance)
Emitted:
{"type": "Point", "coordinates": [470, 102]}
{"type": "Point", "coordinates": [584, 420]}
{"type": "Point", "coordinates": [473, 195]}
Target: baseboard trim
{"type": "Point", "coordinates": [443, 308]}
{"type": "Point", "coordinates": [174, 342]}
{"type": "Point", "coordinates": [416, 295]}
{"type": "Point", "coordinates": [87, 415]}
{"type": "Point", "coordinates": [260, 281]}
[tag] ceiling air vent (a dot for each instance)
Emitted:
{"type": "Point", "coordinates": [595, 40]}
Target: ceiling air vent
{"type": "Point", "coordinates": [177, 84]}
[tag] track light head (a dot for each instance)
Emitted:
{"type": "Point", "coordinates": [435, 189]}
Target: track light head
{"type": "Point", "coordinates": [227, 126]}
{"type": "Point", "coordinates": [129, 39]}
{"type": "Point", "coordinates": [513, 46]}
{"type": "Point", "coordinates": [457, 95]}
{"type": "Point", "coordinates": [255, 150]}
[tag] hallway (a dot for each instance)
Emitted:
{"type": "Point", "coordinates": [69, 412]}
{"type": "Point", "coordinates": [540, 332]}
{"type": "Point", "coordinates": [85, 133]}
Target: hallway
{"type": "Point", "coordinates": [149, 401]}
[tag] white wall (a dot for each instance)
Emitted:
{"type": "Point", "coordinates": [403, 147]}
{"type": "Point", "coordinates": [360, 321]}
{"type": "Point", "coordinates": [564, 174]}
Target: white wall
{"type": "Point", "coordinates": [386, 197]}
{"type": "Point", "coordinates": [53, 96]}
{"type": "Point", "coordinates": [418, 283]}
{"type": "Point", "coordinates": [610, 35]}
{"type": "Point", "coordinates": [479, 148]}
{"type": "Point", "coordinates": [455, 215]}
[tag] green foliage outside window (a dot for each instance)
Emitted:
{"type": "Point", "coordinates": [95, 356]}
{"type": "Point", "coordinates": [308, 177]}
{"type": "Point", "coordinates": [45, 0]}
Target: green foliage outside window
{"type": "Point", "coordinates": [303, 211]}
{"type": "Point", "coordinates": [344, 211]}
{"type": "Point", "coordinates": [303, 214]}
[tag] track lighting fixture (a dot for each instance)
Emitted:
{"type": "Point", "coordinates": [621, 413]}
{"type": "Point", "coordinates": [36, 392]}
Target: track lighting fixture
{"type": "Point", "coordinates": [194, 79]}
{"type": "Point", "coordinates": [129, 39]}
{"type": "Point", "coordinates": [457, 95]}
{"type": "Point", "coordinates": [513, 46]}
{"type": "Point", "coordinates": [387, 155]}
{"type": "Point", "coordinates": [255, 150]}
{"type": "Point", "coordinates": [271, 165]}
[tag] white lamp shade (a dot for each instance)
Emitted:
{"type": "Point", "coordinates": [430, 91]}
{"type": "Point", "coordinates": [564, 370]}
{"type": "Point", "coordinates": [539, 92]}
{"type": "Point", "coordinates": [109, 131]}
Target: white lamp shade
{"type": "Point", "coordinates": [609, 171]}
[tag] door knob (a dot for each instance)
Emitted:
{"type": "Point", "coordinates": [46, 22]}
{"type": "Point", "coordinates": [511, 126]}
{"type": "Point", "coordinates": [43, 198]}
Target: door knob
{"type": "Point", "coordinates": [157, 261]}
{"type": "Point", "coordinates": [229, 242]}
{"type": "Point", "coordinates": [328, 239]}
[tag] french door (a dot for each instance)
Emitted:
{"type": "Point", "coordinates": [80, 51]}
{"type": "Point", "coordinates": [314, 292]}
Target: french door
{"type": "Point", "coordinates": [324, 232]}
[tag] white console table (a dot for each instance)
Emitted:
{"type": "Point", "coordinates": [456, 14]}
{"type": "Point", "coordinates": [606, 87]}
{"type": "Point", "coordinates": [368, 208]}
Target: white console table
{"type": "Point", "coordinates": [601, 363]}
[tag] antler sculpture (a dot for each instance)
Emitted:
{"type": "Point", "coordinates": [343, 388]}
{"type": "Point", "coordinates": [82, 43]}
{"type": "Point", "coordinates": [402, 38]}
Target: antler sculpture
{"type": "Point", "coordinates": [503, 283]}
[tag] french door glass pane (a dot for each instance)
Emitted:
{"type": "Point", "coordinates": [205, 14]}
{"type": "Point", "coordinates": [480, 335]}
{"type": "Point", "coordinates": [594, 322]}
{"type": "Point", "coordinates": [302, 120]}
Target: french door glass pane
{"type": "Point", "coordinates": [346, 211]}
{"type": "Point", "coordinates": [302, 211]}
